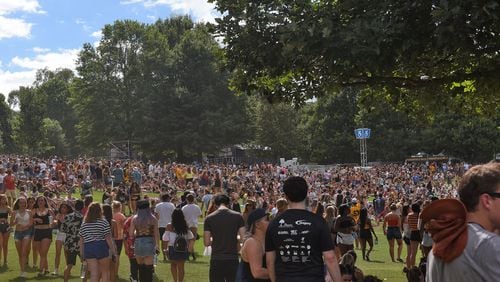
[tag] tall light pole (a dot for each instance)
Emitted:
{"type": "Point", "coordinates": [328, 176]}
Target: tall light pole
{"type": "Point", "coordinates": [362, 134]}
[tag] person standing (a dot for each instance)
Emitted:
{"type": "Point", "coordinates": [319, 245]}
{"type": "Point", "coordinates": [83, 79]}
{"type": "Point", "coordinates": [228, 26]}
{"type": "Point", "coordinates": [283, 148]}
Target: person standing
{"type": "Point", "coordinates": [42, 234]}
{"type": "Point", "coordinates": [298, 242]}
{"type": "Point", "coordinates": [119, 175]}
{"type": "Point", "coordinates": [470, 252]}
{"type": "Point", "coordinates": [415, 235]}
{"type": "Point", "coordinates": [176, 238]}
{"type": "Point", "coordinates": [128, 242]}
{"type": "Point", "coordinates": [205, 200]}
{"type": "Point", "coordinates": [95, 243]}
{"type": "Point", "coordinates": [9, 185]}
{"type": "Point", "coordinates": [71, 227]}
{"type": "Point", "coordinates": [365, 233]}
{"type": "Point", "coordinates": [253, 257]}
{"type": "Point", "coordinates": [221, 230]}
{"type": "Point", "coordinates": [163, 211]}
{"type": "Point", "coordinates": [119, 218]}
{"type": "Point", "coordinates": [64, 209]}
{"type": "Point", "coordinates": [22, 218]}
{"type": "Point", "coordinates": [145, 226]}
{"type": "Point", "coordinates": [192, 212]}
{"type": "Point", "coordinates": [5, 230]}
{"type": "Point", "coordinates": [391, 227]}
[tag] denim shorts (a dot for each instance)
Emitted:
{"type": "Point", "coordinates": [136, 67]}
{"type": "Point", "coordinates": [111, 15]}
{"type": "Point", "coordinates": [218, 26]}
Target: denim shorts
{"type": "Point", "coordinates": [144, 246]}
{"type": "Point", "coordinates": [20, 235]}
{"type": "Point", "coordinates": [95, 250]}
{"type": "Point", "coordinates": [393, 233]}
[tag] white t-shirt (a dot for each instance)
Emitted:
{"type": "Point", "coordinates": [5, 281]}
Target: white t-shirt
{"type": "Point", "coordinates": [164, 211]}
{"type": "Point", "coordinates": [170, 237]}
{"type": "Point", "coordinates": [191, 212]}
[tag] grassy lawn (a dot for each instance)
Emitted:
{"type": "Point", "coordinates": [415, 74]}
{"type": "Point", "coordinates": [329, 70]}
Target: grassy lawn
{"type": "Point", "coordinates": [380, 264]}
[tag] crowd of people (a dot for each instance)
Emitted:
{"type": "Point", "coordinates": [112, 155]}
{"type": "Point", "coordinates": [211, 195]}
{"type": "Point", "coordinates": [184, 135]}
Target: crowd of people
{"type": "Point", "coordinates": [262, 222]}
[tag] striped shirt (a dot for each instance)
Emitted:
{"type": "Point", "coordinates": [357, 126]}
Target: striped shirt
{"type": "Point", "coordinates": [413, 221]}
{"type": "Point", "coordinates": [95, 231]}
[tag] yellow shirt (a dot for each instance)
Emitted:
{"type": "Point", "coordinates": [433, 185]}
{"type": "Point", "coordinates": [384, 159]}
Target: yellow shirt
{"type": "Point", "coordinates": [355, 210]}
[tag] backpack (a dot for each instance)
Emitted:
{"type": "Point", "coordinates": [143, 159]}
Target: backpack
{"type": "Point", "coordinates": [180, 244]}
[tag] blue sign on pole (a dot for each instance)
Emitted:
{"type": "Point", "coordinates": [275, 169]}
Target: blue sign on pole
{"type": "Point", "coordinates": [362, 133]}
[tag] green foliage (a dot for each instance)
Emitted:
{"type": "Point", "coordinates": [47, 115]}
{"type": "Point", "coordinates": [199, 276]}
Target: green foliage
{"type": "Point", "coordinates": [6, 141]}
{"type": "Point", "coordinates": [277, 127]}
{"type": "Point", "coordinates": [296, 50]}
{"type": "Point", "coordinates": [331, 127]}
{"type": "Point", "coordinates": [32, 110]}
{"type": "Point", "coordinates": [53, 141]}
{"type": "Point", "coordinates": [159, 86]}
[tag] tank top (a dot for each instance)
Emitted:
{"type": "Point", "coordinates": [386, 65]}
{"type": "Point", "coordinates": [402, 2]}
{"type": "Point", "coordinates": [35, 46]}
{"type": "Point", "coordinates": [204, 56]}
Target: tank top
{"type": "Point", "coordinates": [45, 218]}
{"type": "Point", "coordinates": [246, 272]}
{"type": "Point", "coordinates": [413, 221]}
{"type": "Point", "coordinates": [4, 214]}
{"type": "Point", "coordinates": [145, 231]}
{"type": "Point", "coordinates": [393, 221]}
{"type": "Point", "coordinates": [22, 219]}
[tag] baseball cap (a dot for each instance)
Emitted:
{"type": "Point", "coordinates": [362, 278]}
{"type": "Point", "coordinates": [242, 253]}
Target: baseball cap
{"type": "Point", "coordinates": [143, 204]}
{"type": "Point", "coordinates": [255, 216]}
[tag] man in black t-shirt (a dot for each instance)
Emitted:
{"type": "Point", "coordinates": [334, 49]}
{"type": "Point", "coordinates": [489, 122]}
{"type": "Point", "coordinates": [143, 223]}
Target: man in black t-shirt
{"type": "Point", "coordinates": [223, 226]}
{"type": "Point", "coordinates": [298, 242]}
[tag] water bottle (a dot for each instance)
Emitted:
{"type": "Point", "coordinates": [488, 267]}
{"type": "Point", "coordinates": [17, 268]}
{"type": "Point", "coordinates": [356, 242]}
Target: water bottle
{"type": "Point", "coordinates": [155, 260]}
{"type": "Point", "coordinates": [83, 270]}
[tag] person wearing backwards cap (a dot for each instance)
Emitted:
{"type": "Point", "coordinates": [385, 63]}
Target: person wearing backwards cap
{"type": "Point", "coordinates": [465, 245]}
{"type": "Point", "coordinates": [253, 258]}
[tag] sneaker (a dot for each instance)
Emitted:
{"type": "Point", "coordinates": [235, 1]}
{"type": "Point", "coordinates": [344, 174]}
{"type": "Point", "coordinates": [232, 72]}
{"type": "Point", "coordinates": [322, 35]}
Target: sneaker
{"type": "Point", "coordinates": [22, 275]}
{"type": "Point", "coordinates": [55, 273]}
{"type": "Point", "coordinates": [132, 279]}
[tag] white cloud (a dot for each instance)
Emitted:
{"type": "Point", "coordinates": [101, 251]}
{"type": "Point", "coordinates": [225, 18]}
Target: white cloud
{"type": "Point", "coordinates": [52, 60]}
{"type": "Point", "coordinates": [13, 80]}
{"type": "Point", "coordinates": [97, 34]}
{"type": "Point", "coordinates": [83, 24]}
{"type": "Point", "coordinates": [14, 28]}
{"type": "Point", "coordinates": [10, 6]}
{"type": "Point", "coordinates": [199, 9]}
{"type": "Point", "coordinates": [40, 50]}
{"type": "Point", "coordinates": [9, 80]}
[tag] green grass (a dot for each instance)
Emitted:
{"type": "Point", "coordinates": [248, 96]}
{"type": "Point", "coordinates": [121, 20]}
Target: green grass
{"type": "Point", "coordinates": [380, 264]}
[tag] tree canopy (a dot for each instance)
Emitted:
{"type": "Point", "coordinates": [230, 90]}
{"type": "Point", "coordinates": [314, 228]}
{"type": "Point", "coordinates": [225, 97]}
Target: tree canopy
{"type": "Point", "coordinates": [295, 50]}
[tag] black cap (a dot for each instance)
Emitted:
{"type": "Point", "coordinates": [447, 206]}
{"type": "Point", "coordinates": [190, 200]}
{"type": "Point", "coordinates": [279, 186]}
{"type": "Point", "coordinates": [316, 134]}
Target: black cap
{"type": "Point", "coordinates": [143, 204]}
{"type": "Point", "coordinates": [255, 215]}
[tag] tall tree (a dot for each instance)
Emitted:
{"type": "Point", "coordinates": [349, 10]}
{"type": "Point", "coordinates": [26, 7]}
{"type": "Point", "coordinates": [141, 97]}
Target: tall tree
{"type": "Point", "coordinates": [7, 143]}
{"type": "Point", "coordinates": [54, 90]}
{"type": "Point", "coordinates": [158, 85]}
{"type": "Point", "coordinates": [110, 92]}
{"type": "Point", "coordinates": [277, 129]}
{"type": "Point", "coordinates": [32, 110]}
{"type": "Point", "coordinates": [330, 126]}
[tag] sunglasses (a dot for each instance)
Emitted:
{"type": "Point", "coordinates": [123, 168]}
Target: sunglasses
{"type": "Point", "coordinates": [493, 194]}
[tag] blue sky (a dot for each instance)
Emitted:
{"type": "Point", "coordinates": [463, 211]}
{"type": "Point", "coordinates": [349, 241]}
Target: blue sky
{"type": "Point", "coordinates": [37, 34]}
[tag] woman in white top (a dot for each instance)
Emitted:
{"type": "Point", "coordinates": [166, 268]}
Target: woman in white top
{"type": "Point", "coordinates": [177, 253]}
{"type": "Point", "coordinates": [23, 220]}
